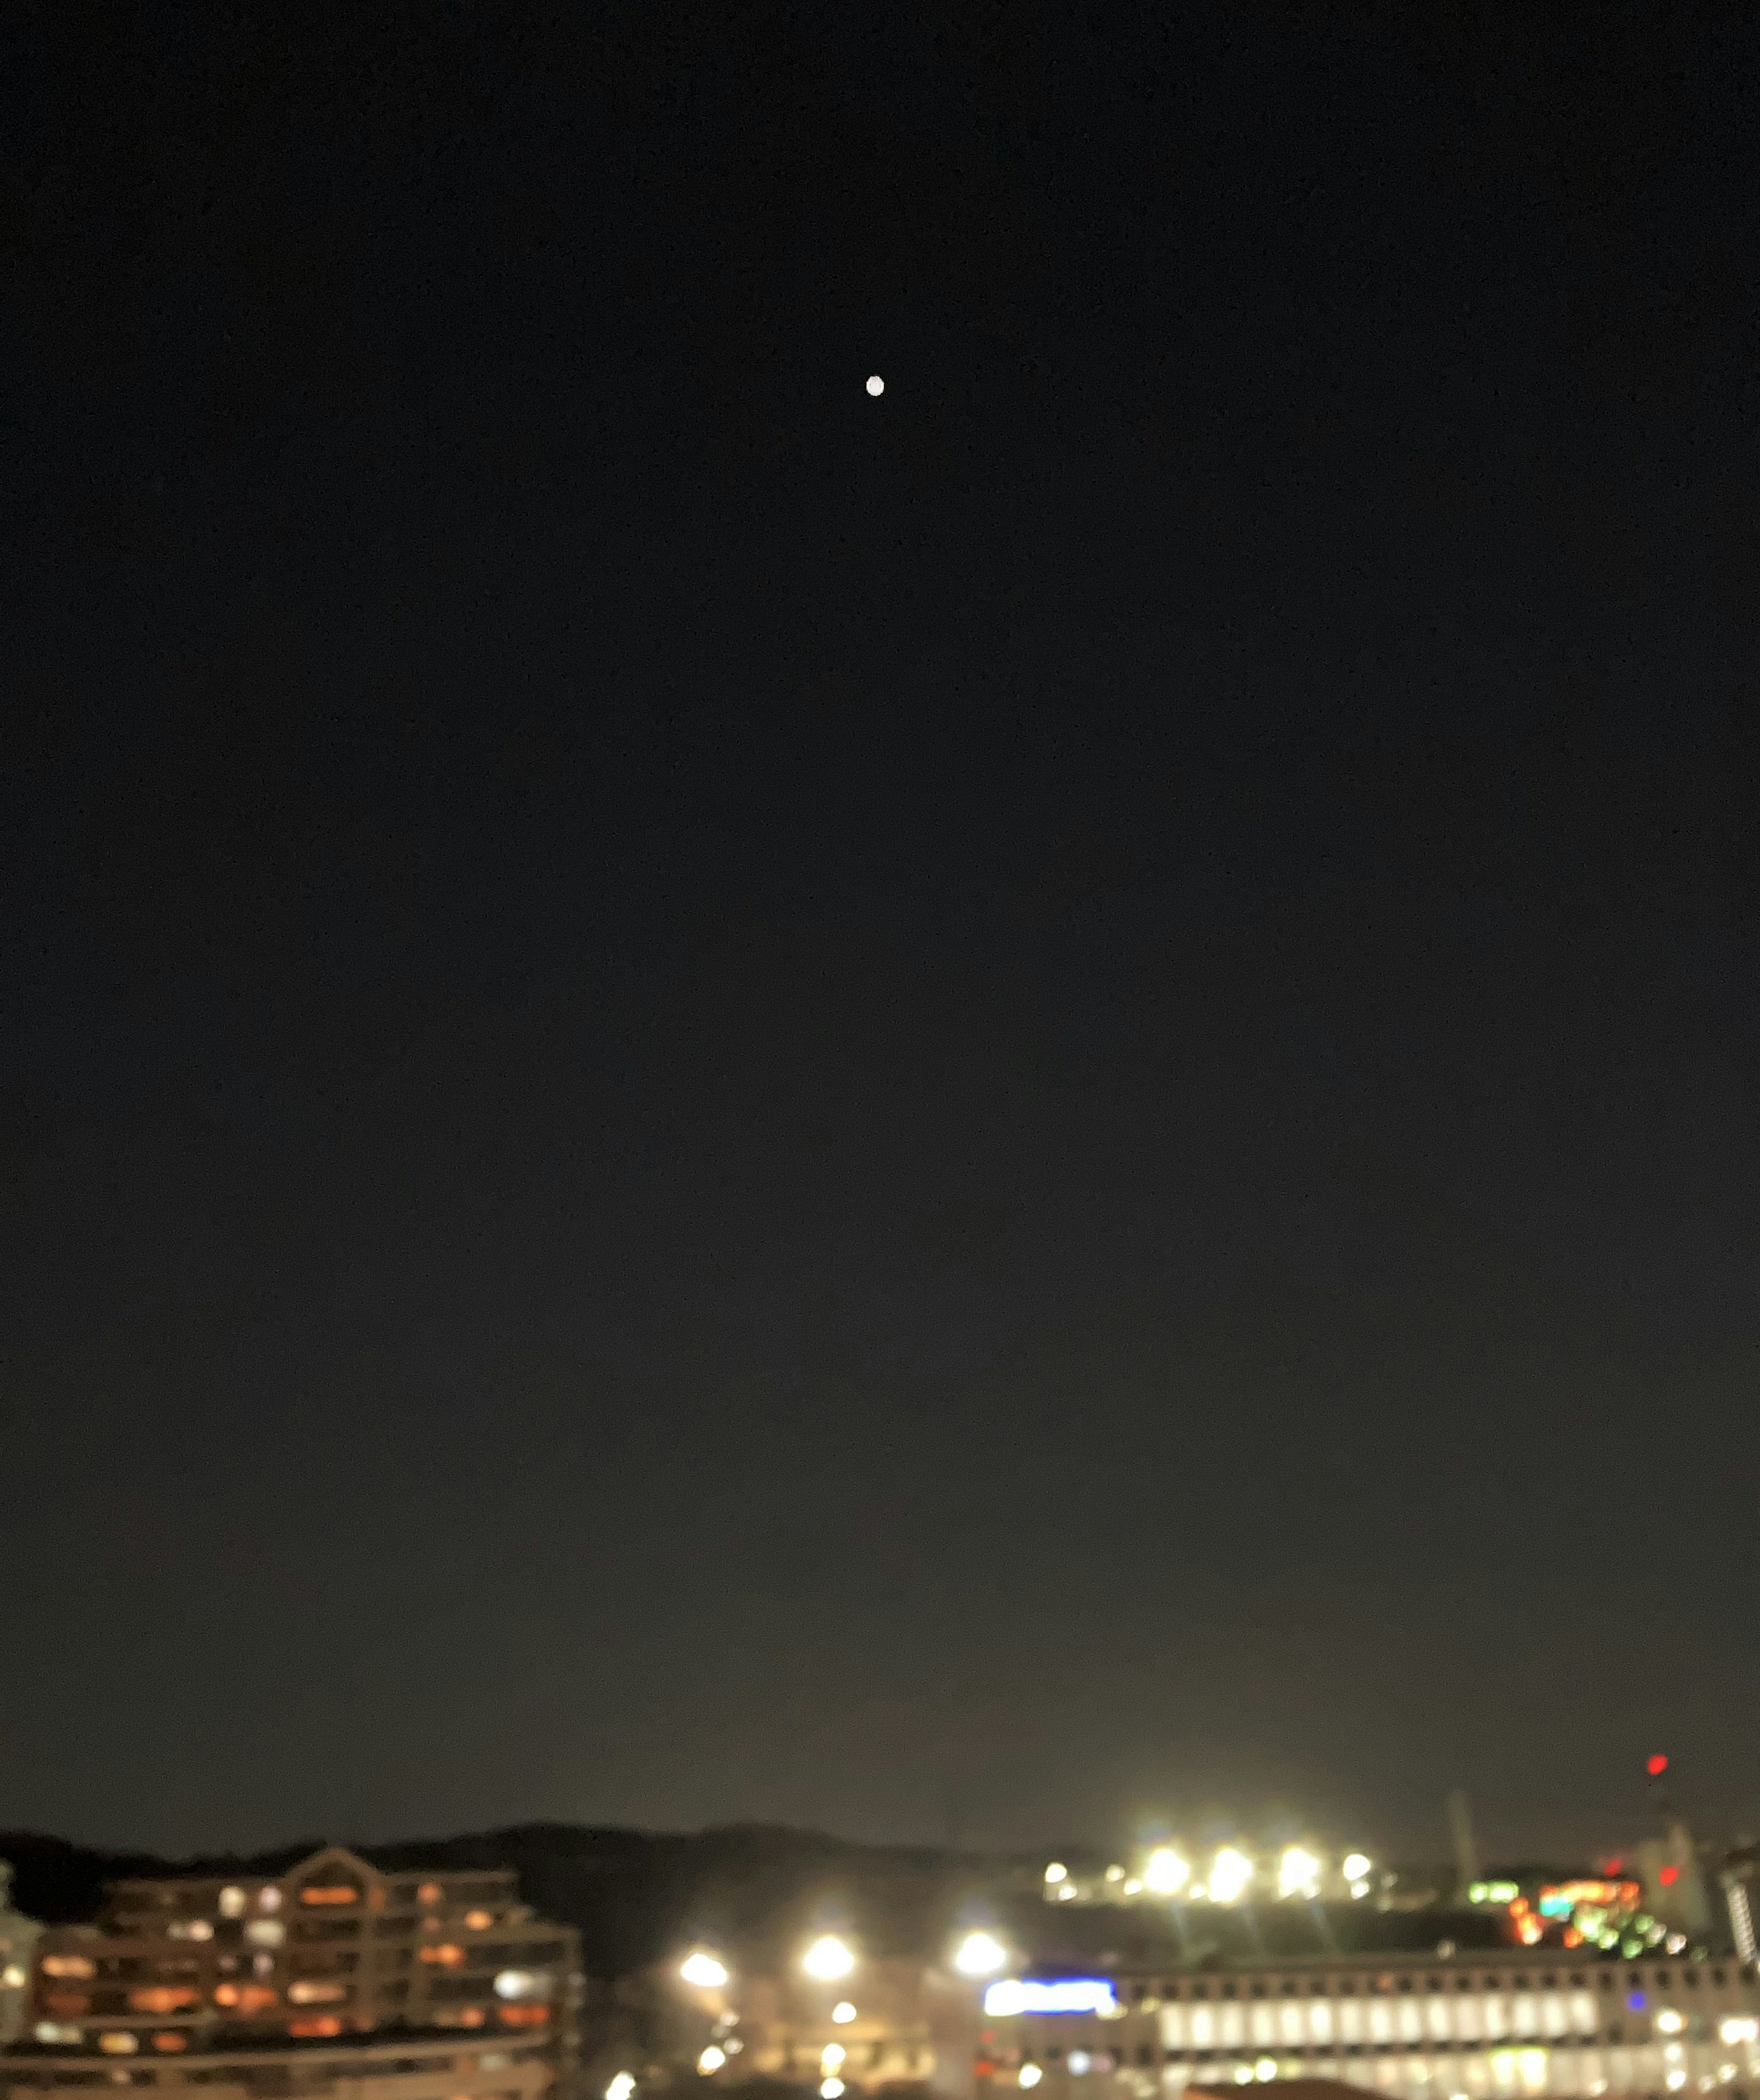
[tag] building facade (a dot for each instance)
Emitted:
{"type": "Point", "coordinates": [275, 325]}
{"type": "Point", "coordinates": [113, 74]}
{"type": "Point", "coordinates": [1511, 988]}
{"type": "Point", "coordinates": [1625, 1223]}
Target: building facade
{"type": "Point", "coordinates": [1479, 2027]}
{"type": "Point", "coordinates": [201, 1978]}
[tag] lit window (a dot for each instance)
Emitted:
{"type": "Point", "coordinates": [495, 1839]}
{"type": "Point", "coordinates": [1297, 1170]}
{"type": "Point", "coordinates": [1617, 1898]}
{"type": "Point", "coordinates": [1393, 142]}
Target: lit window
{"type": "Point", "coordinates": [232, 1902]}
{"type": "Point", "coordinates": [479, 1920]}
{"type": "Point", "coordinates": [268, 1898]}
{"type": "Point", "coordinates": [117, 2044]}
{"type": "Point", "coordinates": [265, 1932]}
{"type": "Point", "coordinates": [306, 2029]}
{"type": "Point", "coordinates": [67, 1965]}
{"type": "Point", "coordinates": [313, 1992]}
{"type": "Point", "coordinates": [320, 1893]}
{"type": "Point", "coordinates": [429, 1892]}
{"type": "Point", "coordinates": [162, 1998]}
{"type": "Point", "coordinates": [168, 2044]}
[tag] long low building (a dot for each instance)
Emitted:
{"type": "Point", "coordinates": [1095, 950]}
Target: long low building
{"type": "Point", "coordinates": [1478, 2026]}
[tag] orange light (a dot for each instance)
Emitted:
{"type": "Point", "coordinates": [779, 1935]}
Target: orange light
{"type": "Point", "coordinates": [64, 2004]}
{"type": "Point", "coordinates": [226, 1994]}
{"type": "Point", "coordinates": [316, 1993]}
{"type": "Point", "coordinates": [67, 1965]}
{"type": "Point", "coordinates": [253, 1997]}
{"type": "Point", "coordinates": [305, 2028]}
{"type": "Point", "coordinates": [429, 1892]}
{"type": "Point", "coordinates": [445, 1954]}
{"type": "Point", "coordinates": [471, 2016]}
{"type": "Point", "coordinates": [1572, 1937]}
{"type": "Point", "coordinates": [168, 2044]}
{"type": "Point", "coordinates": [479, 1920]}
{"type": "Point", "coordinates": [524, 2016]}
{"type": "Point", "coordinates": [319, 1894]}
{"type": "Point", "coordinates": [162, 1998]}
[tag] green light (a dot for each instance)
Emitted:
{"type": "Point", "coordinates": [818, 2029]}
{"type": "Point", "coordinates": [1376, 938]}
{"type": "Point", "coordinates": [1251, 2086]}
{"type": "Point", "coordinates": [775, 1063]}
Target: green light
{"type": "Point", "coordinates": [1476, 1894]}
{"type": "Point", "coordinates": [1608, 1939]}
{"type": "Point", "coordinates": [1631, 1948]}
{"type": "Point", "coordinates": [1642, 1922]}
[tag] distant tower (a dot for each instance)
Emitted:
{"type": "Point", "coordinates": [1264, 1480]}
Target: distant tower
{"type": "Point", "coordinates": [1461, 1829]}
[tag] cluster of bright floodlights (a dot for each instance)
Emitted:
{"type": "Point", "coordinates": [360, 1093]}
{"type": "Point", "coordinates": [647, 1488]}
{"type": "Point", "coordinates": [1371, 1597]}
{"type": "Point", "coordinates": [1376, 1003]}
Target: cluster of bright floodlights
{"type": "Point", "coordinates": [1232, 1876]}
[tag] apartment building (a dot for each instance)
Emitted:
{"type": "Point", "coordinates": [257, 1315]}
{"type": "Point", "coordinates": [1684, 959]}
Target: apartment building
{"type": "Point", "coordinates": [215, 1968]}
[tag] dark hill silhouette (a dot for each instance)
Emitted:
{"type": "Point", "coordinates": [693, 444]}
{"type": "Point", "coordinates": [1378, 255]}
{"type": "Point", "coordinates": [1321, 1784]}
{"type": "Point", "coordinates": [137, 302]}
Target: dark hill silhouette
{"type": "Point", "coordinates": [638, 1896]}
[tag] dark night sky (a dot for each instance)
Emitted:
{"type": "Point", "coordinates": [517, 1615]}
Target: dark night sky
{"type": "Point", "coordinates": [725, 1101]}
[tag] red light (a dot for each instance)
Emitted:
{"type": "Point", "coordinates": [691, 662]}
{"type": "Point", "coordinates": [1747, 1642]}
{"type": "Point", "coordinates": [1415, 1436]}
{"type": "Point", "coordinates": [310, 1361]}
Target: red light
{"type": "Point", "coordinates": [1668, 1876]}
{"type": "Point", "coordinates": [1613, 1866]}
{"type": "Point", "coordinates": [1657, 1766]}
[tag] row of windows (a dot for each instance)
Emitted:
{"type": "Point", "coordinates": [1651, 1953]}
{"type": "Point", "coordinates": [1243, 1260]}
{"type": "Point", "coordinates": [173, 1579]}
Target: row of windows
{"type": "Point", "coordinates": [1148, 2055]}
{"type": "Point", "coordinates": [1607, 1977]}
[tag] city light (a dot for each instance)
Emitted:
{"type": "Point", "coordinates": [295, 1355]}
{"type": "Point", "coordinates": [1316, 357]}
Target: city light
{"type": "Point", "coordinates": [711, 2060]}
{"type": "Point", "coordinates": [1356, 1865]}
{"type": "Point", "coordinates": [842, 2013]}
{"type": "Point", "coordinates": [1164, 1873]}
{"type": "Point", "coordinates": [702, 1969]}
{"type": "Point", "coordinates": [1056, 1872]}
{"type": "Point", "coordinates": [1298, 1873]}
{"type": "Point", "coordinates": [1067, 1994]}
{"type": "Point", "coordinates": [1739, 2030]}
{"type": "Point", "coordinates": [1231, 1875]}
{"type": "Point", "coordinates": [1668, 2021]}
{"type": "Point", "coordinates": [1359, 1890]}
{"type": "Point", "coordinates": [1030, 2074]}
{"type": "Point", "coordinates": [831, 2057]}
{"type": "Point", "coordinates": [622, 2087]}
{"type": "Point", "coordinates": [979, 1954]}
{"type": "Point", "coordinates": [831, 2088]}
{"type": "Point", "coordinates": [828, 1959]}
{"type": "Point", "coordinates": [1657, 1766]}
{"type": "Point", "coordinates": [1265, 2070]}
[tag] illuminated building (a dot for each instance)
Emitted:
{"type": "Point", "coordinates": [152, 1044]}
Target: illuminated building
{"type": "Point", "coordinates": [18, 1935]}
{"type": "Point", "coordinates": [1478, 2026]}
{"type": "Point", "coordinates": [178, 1974]}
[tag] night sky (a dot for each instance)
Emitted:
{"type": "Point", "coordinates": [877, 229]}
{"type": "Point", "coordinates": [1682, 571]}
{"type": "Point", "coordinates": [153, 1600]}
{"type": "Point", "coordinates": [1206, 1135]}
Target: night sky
{"type": "Point", "coordinates": [1019, 1108]}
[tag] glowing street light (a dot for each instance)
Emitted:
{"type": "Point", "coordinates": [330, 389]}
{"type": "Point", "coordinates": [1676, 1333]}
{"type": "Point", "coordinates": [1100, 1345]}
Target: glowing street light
{"type": "Point", "coordinates": [1056, 1872]}
{"type": "Point", "coordinates": [622, 2087]}
{"type": "Point", "coordinates": [979, 1954]}
{"type": "Point", "coordinates": [1164, 1873]}
{"type": "Point", "coordinates": [703, 1969]}
{"type": "Point", "coordinates": [1230, 1874]}
{"type": "Point", "coordinates": [842, 2013]}
{"type": "Point", "coordinates": [1298, 1874]}
{"type": "Point", "coordinates": [829, 1960]}
{"type": "Point", "coordinates": [1356, 1866]}
{"type": "Point", "coordinates": [1030, 2074]}
{"type": "Point", "coordinates": [711, 2060]}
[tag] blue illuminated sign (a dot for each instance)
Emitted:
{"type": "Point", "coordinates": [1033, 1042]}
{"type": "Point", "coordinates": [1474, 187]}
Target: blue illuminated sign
{"type": "Point", "coordinates": [1067, 1994]}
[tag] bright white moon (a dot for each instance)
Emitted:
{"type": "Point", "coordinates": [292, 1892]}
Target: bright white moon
{"type": "Point", "coordinates": [876, 385]}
